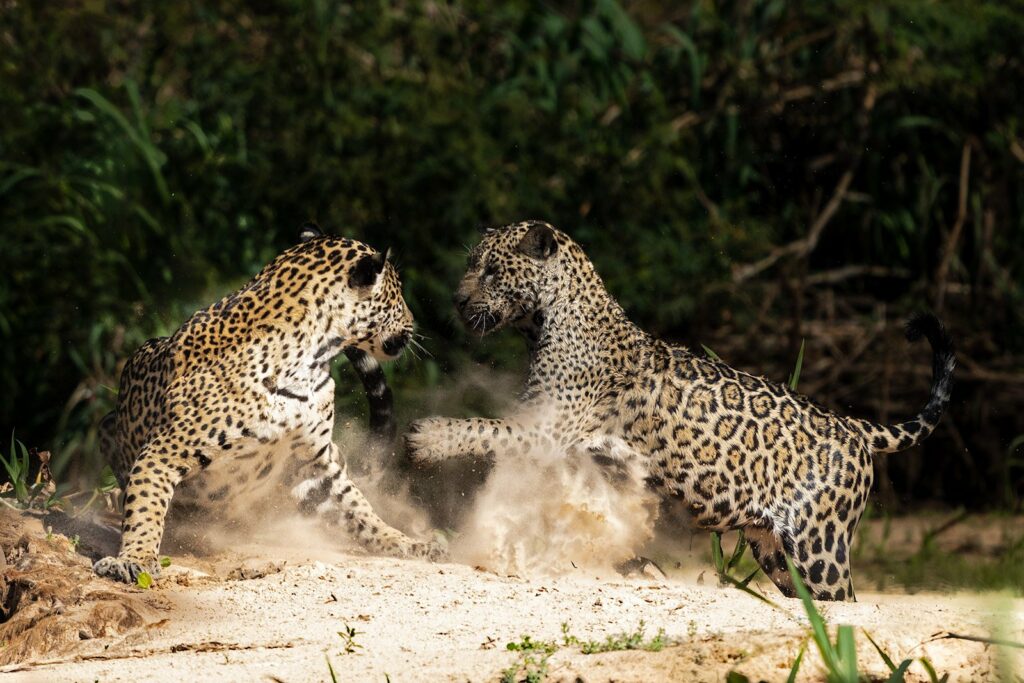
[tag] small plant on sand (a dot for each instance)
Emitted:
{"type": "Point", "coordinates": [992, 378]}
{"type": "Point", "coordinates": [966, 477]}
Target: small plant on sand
{"type": "Point", "coordinates": [18, 492]}
{"type": "Point", "coordinates": [348, 639]}
{"type": "Point", "coordinates": [622, 641]}
{"type": "Point", "coordinates": [725, 567]}
{"type": "Point", "coordinates": [105, 487]}
{"type": "Point", "coordinates": [532, 665]}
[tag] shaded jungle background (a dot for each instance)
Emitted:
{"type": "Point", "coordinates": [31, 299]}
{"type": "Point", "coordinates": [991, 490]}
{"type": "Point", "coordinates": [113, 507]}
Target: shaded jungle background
{"type": "Point", "coordinates": [746, 175]}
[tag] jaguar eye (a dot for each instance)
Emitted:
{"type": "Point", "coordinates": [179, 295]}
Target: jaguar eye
{"type": "Point", "coordinates": [489, 270]}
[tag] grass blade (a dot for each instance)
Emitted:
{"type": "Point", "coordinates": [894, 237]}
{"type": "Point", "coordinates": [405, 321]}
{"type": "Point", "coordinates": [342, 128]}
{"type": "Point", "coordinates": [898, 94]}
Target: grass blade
{"type": "Point", "coordinates": [716, 553]}
{"type": "Point", "coordinates": [899, 675]}
{"type": "Point", "coordinates": [847, 651]}
{"type": "Point", "coordinates": [881, 653]}
{"type": "Point", "coordinates": [750, 578]}
{"type": "Point", "coordinates": [933, 676]}
{"type": "Point", "coordinates": [794, 379]}
{"type": "Point", "coordinates": [796, 664]}
{"type": "Point", "coordinates": [737, 552]}
{"type": "Point", "coordinates": [711, 354]}
{"type": "Point", "coordinates": [818, 631]}
{"type": "Point", "coordinates": [748, 590]}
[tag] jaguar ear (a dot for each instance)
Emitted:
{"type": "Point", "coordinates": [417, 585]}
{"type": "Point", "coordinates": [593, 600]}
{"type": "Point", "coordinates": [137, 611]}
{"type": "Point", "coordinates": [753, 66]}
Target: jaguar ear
{"type": "Point", "coordinates": [366, 270]}
{"type": "Point", "coordinates": [310, 231]}
{"type": "Point", "coordinates": [538, 242]}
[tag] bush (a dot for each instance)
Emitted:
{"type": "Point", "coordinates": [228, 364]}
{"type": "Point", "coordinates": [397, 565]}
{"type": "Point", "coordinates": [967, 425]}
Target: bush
{"type": "Point", "coordinates": [155, 155]}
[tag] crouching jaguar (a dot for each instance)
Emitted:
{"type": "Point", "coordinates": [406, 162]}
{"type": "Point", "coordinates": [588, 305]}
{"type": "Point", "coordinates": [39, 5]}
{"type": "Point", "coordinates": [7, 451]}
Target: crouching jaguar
{"type": "Point", "coordinates": [238, 404]}
{"type": "Point", "coordinates": [742, 452]}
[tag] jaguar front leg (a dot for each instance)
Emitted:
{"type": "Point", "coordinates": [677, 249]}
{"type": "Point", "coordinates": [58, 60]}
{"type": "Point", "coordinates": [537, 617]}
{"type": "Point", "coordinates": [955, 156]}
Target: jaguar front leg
{"type": "Point", "coordinates": [334, 498]}
{"type": "Point", "coordinates": [163, 463]}
{"type": "Point", "coordinates": [434, 439]}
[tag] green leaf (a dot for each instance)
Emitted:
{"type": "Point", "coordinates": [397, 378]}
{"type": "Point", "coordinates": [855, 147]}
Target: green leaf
{"type": "Point", "coordinates": [711, 354]}
{"type": "Point", "coordinates": [737, 552]}
{"type": "Point", "coordinates": [794, 379]}
{"type": "Point", "coordinates": [696, 63]}
{"type": "Point", "coordinates": [16, 177]}
{"type": "Point", "coordinates": [716, 553]}
{"type": "Point", "coordinates": [144, 580]}
{"type": "Point", "coordinates": [153, 157]}
{"type": "Point", "coordinates": [899, 675]}
{"type": "Point", "coordinates": [631, 39]}
{"type": "Point", "coordinates": [165, 562]}
{"type": "Point", "coordinates": [933, 676]}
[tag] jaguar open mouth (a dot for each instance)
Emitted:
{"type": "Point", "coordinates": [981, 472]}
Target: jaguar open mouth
{"type": "Point", "coordinates": [393, 346]}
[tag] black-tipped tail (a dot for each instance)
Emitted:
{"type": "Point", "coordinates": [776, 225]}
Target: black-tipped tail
{"type": "Point", "coordinates": [378, 394]}
{"type": "Point", "coordinates": [892, 438]}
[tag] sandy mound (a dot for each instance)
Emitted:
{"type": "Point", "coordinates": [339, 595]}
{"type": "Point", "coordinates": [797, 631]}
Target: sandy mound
{"type": "Point", "coordinates": [51, 601]}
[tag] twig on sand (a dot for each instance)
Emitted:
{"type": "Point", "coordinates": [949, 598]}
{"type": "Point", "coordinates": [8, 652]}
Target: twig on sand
{"type": "Point", "coordinates": [943, 635]}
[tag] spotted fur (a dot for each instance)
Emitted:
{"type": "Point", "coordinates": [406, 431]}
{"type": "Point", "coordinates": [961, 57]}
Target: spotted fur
{"type": "Point", "coordinates": [742, 452]}
{"type": "Point", "coordinates": [237, 406]}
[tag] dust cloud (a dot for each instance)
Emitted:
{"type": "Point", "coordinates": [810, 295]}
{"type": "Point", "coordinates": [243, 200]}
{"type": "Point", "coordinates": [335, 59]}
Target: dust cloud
{"type": "Point", "coordinates": [545, 512]}
{"type": "Point", "coordinates": [553, 513]}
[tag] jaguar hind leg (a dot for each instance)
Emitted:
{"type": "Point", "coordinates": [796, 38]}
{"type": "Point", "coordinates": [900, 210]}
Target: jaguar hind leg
{"type": "Point", "coordinates": [821, 558]}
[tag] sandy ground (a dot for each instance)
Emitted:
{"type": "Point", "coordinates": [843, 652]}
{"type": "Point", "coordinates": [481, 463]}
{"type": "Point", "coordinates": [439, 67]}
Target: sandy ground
{"type": "Point", "coordinates": [421, 622]}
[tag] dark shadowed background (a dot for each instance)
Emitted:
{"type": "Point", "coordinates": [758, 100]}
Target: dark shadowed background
{"type": "Point", "coordinates": [746, 175]}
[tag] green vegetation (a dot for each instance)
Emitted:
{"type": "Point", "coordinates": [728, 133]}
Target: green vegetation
{"type": "Point", "coordinates": [725, 567]}
{"type": "Point", "coordinates": [840, 657]}
{"type": "Point", "coordinates": [18, 471]}
{"type": "Point", "coordinates": [729, 166]}
{"type": "Point", "coordinates": [636, 640]}
{"type": "Point", "coordinates": [532, 664]}
{"type": "Point", "coordinates": [17, 491]}
{"type": "Point", "coordinates": [144, 580]}
{"type": "Point", "coordinates": [348, 639]}
{"type": "Point", "coordinates": [926, 566]}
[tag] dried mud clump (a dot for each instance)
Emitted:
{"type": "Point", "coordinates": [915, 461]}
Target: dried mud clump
{"type": "Point", "coordinates": [50, 601]}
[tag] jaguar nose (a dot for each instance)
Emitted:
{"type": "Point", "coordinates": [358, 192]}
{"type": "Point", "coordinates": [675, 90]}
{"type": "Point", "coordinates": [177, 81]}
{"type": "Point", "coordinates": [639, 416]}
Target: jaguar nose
{"type": "Point", "coordinates": [394, 345]}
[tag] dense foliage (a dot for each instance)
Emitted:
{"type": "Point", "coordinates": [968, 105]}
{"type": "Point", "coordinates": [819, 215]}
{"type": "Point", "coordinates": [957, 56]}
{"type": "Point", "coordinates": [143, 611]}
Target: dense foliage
{"type": "Point", "coordinates": [153, 155]}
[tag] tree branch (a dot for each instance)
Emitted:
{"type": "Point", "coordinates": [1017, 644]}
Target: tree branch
{"type": "Point", "coordinates": [942, 272]}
